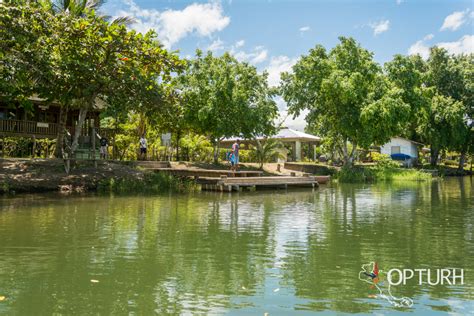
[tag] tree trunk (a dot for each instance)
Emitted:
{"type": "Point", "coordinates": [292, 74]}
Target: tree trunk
{"type": "Point", "coordinates": [462, 161]}
{"type": "Point", "coordinates": [348, 158]}
{"type": "Point", "coordinates": [78, 129]}
{"type": "Point", "coordinates": [178, 136]}
{"type": "Point", "coordinates": [58, 153]}
{"type": "Point", "coordinates": [434, 157]}
{"type": "Point", "coordinates": [216, 151]}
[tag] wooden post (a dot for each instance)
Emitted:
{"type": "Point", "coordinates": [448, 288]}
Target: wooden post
{"type": "Point", "coordinates": [34, 147]}
{"type": "Point", "coordinates": [93, 146]}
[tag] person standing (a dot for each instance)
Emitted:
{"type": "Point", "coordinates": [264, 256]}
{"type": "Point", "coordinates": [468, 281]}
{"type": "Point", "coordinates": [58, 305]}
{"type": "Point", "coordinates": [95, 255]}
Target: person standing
{"type": "Point", "coordinates": [104, 143]}
{"type": "Point", "coordinates": [143, 147]}
{"type": "Point", "coordinates": [235, 151]}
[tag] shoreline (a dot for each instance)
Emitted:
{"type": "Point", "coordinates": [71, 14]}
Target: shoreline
{"type": "Point", "coordinates": [48, 175]}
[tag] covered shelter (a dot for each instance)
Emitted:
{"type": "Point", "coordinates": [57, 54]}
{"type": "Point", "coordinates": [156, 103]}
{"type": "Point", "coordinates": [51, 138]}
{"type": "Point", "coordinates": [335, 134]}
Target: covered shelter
{"type": "Point", "coordinates": [293, 141]}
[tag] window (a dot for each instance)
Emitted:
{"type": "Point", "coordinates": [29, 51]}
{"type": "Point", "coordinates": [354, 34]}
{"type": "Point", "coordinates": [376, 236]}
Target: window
{"type": "Point", "coordinates": [395, 150]}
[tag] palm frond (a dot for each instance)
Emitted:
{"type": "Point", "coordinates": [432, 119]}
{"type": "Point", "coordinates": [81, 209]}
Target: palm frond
{"type": "Point", "coordinates": [124, 20]}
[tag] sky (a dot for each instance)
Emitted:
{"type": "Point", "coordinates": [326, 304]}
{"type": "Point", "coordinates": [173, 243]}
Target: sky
{"type": "Point", "coordinates": [273, 34]}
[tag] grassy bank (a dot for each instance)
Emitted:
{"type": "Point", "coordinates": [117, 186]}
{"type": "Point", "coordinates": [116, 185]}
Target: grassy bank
{"type": "Point", "coordinates": [373, 173]}
{"type": "Point", "coordinates": [150, 183]}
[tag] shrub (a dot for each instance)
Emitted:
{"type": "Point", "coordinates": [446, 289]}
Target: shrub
{"type": "Point", "coordinates": [151, 183]}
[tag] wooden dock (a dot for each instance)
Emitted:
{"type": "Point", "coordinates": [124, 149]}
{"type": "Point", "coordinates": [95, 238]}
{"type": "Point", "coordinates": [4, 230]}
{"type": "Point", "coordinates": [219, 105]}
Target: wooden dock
{"type": "Point", "coordinates": [197, 173]}
{"type": "Point", "coordinates": [236, 183]}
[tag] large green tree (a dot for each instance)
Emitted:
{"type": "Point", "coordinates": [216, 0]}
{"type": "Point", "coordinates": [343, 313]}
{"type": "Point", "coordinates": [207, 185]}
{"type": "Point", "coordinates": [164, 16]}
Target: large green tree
{"type": "Point", "coordinates": [224, 98]}
{"type": "Point", "coordinates": [92, 58]}
{"type": "Point", "coordinates": [349, 99]}
{"type": "Point", "coordinates": [447, 122]}
{"type": "Point", "coordinates": [23, 55]}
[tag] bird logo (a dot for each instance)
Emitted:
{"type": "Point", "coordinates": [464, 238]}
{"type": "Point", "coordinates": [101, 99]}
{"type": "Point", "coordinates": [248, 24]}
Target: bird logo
{"type": "Point", "coordinates": [371, 274]}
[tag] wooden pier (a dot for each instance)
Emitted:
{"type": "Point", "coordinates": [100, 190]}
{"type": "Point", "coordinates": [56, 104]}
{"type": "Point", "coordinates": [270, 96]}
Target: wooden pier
{"type": "Point", "coordinates": [226, 180]}
{"type": "Point", "coordinates": [209, 173]}
{"type": "Point", "coordinates": [237, 183]}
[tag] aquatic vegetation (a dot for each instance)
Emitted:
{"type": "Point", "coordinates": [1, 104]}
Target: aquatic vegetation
{"type": "Point", "coordinates": [150, 183]}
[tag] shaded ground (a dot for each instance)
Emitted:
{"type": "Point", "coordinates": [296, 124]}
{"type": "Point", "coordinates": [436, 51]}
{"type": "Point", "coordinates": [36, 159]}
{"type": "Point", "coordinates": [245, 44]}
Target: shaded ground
{"type": "Point", "coordinates": [40, 175]}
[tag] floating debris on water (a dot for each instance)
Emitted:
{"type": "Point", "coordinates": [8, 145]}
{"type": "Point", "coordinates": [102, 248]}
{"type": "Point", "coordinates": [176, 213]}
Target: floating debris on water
{"type": "Point", "coordinates": [94, 281]}
{"type": "Point", "coordinates": [2, 298]}
{"type": "Point", "coordinates": [276, 290]}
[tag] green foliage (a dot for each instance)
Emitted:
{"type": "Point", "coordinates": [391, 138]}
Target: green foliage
{"type": "Point", "coordinates": [383, 161]}
{"type": "Point", "coordinates": [361, 174]}
{"type": "Point", "coordinates": [267, 151]}
{"type": "Point", "coordinates": [151, 183]}
{"type": "Point", "coordinates": [198, 147]}
{"type": "Point", "coordinates": [348, 98]}
{"type": "Point", "coordinates": [227, 98]}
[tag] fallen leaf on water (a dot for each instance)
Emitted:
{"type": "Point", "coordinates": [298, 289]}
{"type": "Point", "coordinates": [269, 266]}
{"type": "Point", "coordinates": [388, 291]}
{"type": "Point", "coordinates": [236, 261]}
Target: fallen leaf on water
{"type": "Point", "coordinates": [372, 296]}
{"type": "Point", "coordinates": [94, 281]}
{"type": "Point", "coordinates": [243, 288]}
{"type": "Point", "coordinates": [276, 290]}
{"type": "Point", "coordinates": [390, 233]}
{"type": "Point", "coordinates": [2, 298]}
{"type": "Point", "coordinates": [266, 314]}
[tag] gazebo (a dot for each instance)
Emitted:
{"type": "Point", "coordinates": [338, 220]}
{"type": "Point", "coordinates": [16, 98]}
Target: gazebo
{"type": "Point", "coordinates": [289, 137]}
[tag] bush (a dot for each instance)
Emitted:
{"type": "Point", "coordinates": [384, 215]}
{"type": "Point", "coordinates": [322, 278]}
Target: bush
{"type": "Point", "coordinates": [383, 161]}
{"type": "Point", "coordinates": [151, 183]}
{"type": "Point", "coordinates": [451, 163]}
{"type": "Point", "coordinates": [355, 175]}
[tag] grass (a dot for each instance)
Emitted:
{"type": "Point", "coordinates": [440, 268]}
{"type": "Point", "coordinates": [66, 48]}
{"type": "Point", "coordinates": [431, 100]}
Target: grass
{"type": "Point", "coordinates": [359, 174]}
{"type": "Point", "coordinates": [151, 183]}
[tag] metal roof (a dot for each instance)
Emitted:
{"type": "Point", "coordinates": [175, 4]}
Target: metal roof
{"type": "Point", "coordinates": [285, 134]}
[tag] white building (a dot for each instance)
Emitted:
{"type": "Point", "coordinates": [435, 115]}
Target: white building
{"type": "Point", "coordinates": [289, 137]}
{"type": "Point", "coordinates": [399, 145]}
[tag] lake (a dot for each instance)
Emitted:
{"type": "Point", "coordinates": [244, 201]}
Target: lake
{"type": "Point", "coordinates": [248, 253]}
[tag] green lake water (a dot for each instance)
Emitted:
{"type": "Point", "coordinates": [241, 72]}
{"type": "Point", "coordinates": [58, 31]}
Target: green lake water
{"type": "Point", "coordinates": [248, 253]}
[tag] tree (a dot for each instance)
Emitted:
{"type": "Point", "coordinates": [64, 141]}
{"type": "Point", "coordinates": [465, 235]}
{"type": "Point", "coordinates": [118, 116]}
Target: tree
{"type": "Point", "coordinates": [408, 73]}
{"type": "Point", "coordinates": [93, 59]}
{"type": "Point", "coordinates": [74, 9]}
{"type": "Point", "coordinates": [23, 55]}
{"type": "Point", "coordinates": [347, 95]}
{"type": "Point", "coordinates": [448, 120]}
{"type": "Point", "coordinates": [225, 98]}
{"type": "Point", "coordinates": [267, 151]}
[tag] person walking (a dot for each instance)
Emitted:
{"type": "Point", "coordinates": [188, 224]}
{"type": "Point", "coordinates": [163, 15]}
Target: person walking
{"type": "Point", "coordinates": [104, 143]}
{"type": "Point", "coordinates": [235, 151]}
{"type": "Point", "coordinates": [143, 147]}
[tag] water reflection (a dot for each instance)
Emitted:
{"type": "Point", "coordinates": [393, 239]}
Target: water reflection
{"type": "Point", "coordinates": [252, 253]}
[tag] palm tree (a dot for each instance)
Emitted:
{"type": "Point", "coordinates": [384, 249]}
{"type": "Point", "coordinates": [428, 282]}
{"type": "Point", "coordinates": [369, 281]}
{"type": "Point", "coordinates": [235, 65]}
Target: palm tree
{"type": "Point", "coordinates": [267, 151]}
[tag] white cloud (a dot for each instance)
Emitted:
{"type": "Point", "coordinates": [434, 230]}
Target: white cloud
{"type": "Point", "coordinates": [380, 27]}
{"type": "Point", "coordinates": [465, 45]}
{"type": "Point", "coordinates": [216, 45]}
{"type": "Point", "coordinates": [298, 123]}
{"type": "Point", "coordinates": [455, 20]}
{"type": "Point", "coordinates": [428, 37]}
{"type": "Point", "coordinates": [257, 56]}
{"type": "Point", "coordinates": [278, 65]}
{"type": "Point", "coordinates": [419, 48]}
{"type": "Point", "coordinates": [202, 19]}
{"type": "Point", "coordinates": [239, 43]}
{"type": "Point", "coordinates": [304, 29]}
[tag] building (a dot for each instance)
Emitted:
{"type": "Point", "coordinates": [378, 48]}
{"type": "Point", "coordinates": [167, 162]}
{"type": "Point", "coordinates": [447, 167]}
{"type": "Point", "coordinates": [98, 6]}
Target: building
{"type": "Point", "coordinates": [293, 140]}
{"type": "Point", "coordinates": [42, 121]}
{"type": "Point", "coordinates": [399, 148]}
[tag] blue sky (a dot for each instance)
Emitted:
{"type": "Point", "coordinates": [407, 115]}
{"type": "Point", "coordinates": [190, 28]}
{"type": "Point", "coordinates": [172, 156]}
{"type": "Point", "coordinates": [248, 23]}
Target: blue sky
{"type": "Point", "coordinates": [272, 34]}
